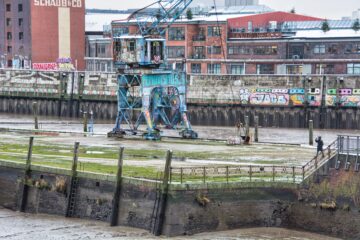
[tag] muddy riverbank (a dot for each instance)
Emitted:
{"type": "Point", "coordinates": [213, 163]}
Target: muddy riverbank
{"type": "Point", "coordinates": [19, 226]}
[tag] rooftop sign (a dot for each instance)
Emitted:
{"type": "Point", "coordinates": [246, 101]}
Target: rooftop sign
{"type": "Point", "coordinates": [58, 3]}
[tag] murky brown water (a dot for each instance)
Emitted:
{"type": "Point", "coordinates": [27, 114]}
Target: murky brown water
{"type": "Point", "coordinates": [19, 226]}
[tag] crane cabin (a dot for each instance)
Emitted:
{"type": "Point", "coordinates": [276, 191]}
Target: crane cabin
{"type": "Point", "coordinates": [137, 51]}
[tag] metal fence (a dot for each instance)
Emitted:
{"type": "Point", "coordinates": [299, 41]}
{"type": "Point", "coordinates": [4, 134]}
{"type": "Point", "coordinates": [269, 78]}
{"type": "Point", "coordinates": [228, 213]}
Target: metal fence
{"type": "Point", "coordinates": [250, 173]}
{"type": "Point", "coordinates": [349, 145]}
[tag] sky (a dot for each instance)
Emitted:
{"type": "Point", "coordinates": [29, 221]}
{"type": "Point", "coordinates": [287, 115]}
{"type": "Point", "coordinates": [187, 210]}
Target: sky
{"type": "Point", "coordinates": [330, 9]}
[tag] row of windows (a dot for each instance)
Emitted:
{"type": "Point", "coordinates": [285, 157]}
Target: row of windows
{"type": "Point", "coordinates": [256, 50]}
{"type": "Point", "coordinates": [239, 69]}
{"type": "Point", "coordinates": [8, 7]}
{"type": "Point", "coordinates": [178, 33]}
{"type": "Point", "coordinates": [9, 36]}
{"type": "Point", "coordinates": [9, 22]}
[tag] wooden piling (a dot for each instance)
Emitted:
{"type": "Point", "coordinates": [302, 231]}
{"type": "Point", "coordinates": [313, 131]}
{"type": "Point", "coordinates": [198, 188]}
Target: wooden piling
{"type": "Point", "coordinates": [256, 129]}
{"type": "Point", "coordinates": [27, 175]}
{"type": "Point", "coordinates": [85, 121]}
{"type": "Point", "coordinates": [311, 132]}
{"type": "Point", "coordinates": [247, 126]}
{"type": "Point", "coordinates": [116, 198]}
{"type": "Point", "coordinates": [164, 194]}
{"type": "Point", "coordinates": [35, 113]}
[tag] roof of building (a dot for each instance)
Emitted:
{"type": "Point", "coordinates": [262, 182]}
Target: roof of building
{"type": "Point", "coordinates": [319, 34]}
{"type": "Point", "coordinates": [272, 16]}
{"type": "Point", "coordinates": [308, 25]}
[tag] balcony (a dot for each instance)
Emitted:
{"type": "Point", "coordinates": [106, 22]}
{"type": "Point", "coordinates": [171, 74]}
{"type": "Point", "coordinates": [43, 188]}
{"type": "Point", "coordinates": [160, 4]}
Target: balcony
{"type": "Point", "coordinates": [199, 38]}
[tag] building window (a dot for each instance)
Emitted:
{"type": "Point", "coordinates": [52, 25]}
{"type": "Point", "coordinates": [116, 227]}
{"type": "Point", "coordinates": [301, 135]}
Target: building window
{"type": "Point", "coordinates": [237, 69]}
{"type": "Point", "coordinates": [324, 69]}
{"type": "Point", "coordinates": [294, 69]}
{"type": "Point", "coordinates": [8, 22]}
{"type": "Point", "coordinates": [196, 68]}
{"type": "Point", "coordinates": [176, 34]}
{"type": "Point", "coordinates": [176, 52]}
{"type": "Point", "coordinates": [214, 50]}
{"type": "Point", "coordinates": [353, 68]}
{"type": "Point", "coordinates": [199, 53]}
{"type": "Point", "coordinates": [9, 36]}
{"type": "Point", "coordinates": [9, 49]}
{"type": "Point", "coordinates": [20, 7]}
{"type": "Point", "coordinates": [131, 46]}
{"type": "Point", "coordinates": [265, 50]}
{"type": "Point", "coordinates": [121, 31]}
{"type": "Point", "coordinates": [320, 49]}
{"type": "Point", "coordinates": [265, 69]}
{"type": "Point", "coordinates": [21, 22]}
{"type": "Point", "coordinates": [214, 68]}
{"type": "Point", "coordinates": [238, 50]}
{"type": "Point", "coordinates": [101, 50]}
{"type": "Point", "coordinates": [8, 7]}
{"type": "Point", "coordinates": [21, 35]}
{"type": "Point", "coordinates": [214, 31]}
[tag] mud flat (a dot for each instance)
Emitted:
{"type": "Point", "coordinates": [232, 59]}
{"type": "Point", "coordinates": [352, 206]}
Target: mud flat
{"type": "Point", "coordinates": [18, 226]}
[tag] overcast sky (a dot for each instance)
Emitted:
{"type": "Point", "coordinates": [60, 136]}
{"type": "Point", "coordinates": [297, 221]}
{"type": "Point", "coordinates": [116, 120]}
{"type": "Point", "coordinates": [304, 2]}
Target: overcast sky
{"type": "Point", "coordinates": [322, 8]}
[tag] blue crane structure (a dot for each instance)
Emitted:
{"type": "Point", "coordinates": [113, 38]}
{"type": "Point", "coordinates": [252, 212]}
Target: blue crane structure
{"type": "Point", "coordinates": [148, 90]}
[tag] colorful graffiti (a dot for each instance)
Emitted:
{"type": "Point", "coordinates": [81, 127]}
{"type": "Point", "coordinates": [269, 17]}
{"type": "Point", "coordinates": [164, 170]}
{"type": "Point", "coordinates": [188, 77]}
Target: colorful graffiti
{"type": "Point", "coordinates": [280, 97]}
{"type": "Point", "coordinates": [62, 64]}
{"type": "Point", "coordinates": [45, 66]}
{"type": "Point", "coordinates": [296, 97]}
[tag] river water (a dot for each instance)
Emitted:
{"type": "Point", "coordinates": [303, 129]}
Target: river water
{"type": "Point", "coordinates": [19, 226]}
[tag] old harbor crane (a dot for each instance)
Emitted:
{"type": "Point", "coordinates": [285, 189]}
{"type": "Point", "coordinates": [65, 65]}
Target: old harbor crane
{"type": "Point", "coordinates": [145, 81]}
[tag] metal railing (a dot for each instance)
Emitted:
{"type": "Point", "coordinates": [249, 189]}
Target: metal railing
{"type": "Point", "coordinates": [349, 145]}
{"type": "Point", "coordinates": [249, 173]}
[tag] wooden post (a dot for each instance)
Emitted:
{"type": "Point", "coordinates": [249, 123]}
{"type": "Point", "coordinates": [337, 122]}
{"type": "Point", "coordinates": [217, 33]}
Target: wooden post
{"type": "Point", "coordinates": [294, 176]}
{"type": "Point", "coordinates": [26, 176]}
{"type": "Point", "coordinates": [250, 173]}
{"type": "Point", "coordinates": [256, 129]}
{"type": "Point", "coordinates": [204, 175]}
{"type": "Point", "coordinates": [164, 194]}
{"type": "Point", "coordinates": [116, 198]}
{"type": "Point", "coordinates": [227, 174]}
{"type": "Point", "coordinates": [35, 113]}
{"type": "Point", "coordinates": [181, 175]}
{"type": "Point", "coordinates": [85, 121]}
{"type": "Point", "coordinates": [311, 132]}
{"type": "Point", "coordinates": [247, 126]}
{"type": "Point", "coordinates": [303, 172]}
{"type": "Point", "coordinates": [273, 173]}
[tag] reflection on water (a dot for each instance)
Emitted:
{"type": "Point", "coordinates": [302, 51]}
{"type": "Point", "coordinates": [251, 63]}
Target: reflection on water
{"type": "Point", "coordinates": [18, 226]}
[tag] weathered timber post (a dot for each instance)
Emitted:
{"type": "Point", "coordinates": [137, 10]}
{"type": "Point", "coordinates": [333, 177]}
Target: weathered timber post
{"type": "Point", "coordinates": [27, 175]}
{"type": "Point", "coordinates": [256, 129]}
{"type": "Point", "coordinates": [71, 198]}
{"type": "Point", "coordinates": [116, 198]}
{"type": "Point", "coordinates": [164, 195]}
{"type": "Point", "coordinates": [311, 132]}
{"type": "Point", "coordinates": [250, 173]}
{"type": "Point", "coordinates": [35, 113]}
{"type": "Point", "coordinates": [85, 121]}
{"type": "Point", "coordinates": [247, 126]}
{"type": "Point", "coordinates": [293, 173]}
{"type": "Point", "coordinates": [273, 173]}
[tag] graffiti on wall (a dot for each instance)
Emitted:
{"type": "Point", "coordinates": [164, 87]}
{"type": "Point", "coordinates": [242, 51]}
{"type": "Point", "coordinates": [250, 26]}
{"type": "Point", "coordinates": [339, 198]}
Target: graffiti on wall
{"type": "Point", "coordinates": [61, 64]}
{"type": "Point", "coordinates": [280, 97]}
{"type": "Point", "coordinates": [347, 97]}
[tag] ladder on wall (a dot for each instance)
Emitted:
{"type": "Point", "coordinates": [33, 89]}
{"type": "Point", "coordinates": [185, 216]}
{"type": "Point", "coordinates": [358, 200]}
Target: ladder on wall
{"type": "Point", "coordinates": [72, 197]}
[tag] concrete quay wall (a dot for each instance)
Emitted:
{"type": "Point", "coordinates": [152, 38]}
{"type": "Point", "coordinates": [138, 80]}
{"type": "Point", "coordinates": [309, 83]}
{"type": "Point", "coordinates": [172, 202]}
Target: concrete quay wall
{"type": "Point", "coordinates": [328, 205]}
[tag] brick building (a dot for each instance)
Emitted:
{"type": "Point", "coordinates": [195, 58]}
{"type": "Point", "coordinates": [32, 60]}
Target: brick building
{"type": "Point", "coordinates": [45, 35]}
{"type": "Point", "coordinates": [268, 43]}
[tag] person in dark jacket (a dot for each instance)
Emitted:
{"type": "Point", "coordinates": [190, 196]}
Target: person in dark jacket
{"type": "Point", "coordinates": [320, 145]}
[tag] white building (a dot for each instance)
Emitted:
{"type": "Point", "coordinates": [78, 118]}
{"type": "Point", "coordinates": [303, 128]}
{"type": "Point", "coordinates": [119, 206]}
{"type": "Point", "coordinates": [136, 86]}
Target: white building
{"type": "Point", "coordinates": [356, 14]}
